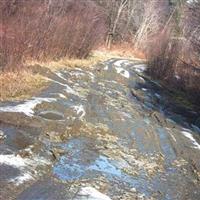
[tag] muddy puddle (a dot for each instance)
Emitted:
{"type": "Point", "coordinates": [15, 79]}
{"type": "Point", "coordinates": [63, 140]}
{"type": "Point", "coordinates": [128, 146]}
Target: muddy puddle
{"type": "Point", "coordinates": [105, 133]}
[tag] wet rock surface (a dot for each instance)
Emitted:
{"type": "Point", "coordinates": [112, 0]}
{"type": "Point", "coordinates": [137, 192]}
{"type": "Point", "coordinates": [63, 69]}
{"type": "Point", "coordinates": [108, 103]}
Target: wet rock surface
{"type": "Point", "coordinates": [108, 132]}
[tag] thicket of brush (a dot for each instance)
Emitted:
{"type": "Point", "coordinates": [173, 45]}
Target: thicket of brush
{"type": "Point", "coordinates": [48, 30]}
{"type": "Point", "coordinates": [166, 31]}
{"type": "Point", "coordinates": [174, 56]}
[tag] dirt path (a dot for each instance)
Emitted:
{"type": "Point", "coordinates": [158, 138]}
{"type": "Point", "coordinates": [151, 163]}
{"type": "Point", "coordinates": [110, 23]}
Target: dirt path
{"type": "Point", "coordinates": [106, 133]}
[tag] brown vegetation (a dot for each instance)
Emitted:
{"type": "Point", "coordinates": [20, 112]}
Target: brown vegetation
{"type": "Point", "coordinates": [63, 32]}
{"type": "Point", "coordinates": [96, 56]}
{"type": "Point", "coordinates": [19, 85]}
{"type": "Point", "coordinates": [174, 54]}
{"type": "Point", "coordinates": [44, 30]}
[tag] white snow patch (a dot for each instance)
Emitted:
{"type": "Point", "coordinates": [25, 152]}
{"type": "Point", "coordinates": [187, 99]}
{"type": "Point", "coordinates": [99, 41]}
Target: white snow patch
{"type": "Point", "coordinates": [190, 136]}
{"type": "Point", "coordinates": [12, 160]}
{"type": "Point", "coordinates": [80, 110]}
{"type": "Point", "coordinates": [172, 135]}
{"type": "Point", "coordinates": [92, 76]}
{"type": "Point", "coordinates": [60, 75]}
{"type": "Point", "coordinates": [68, 88]}
{"type": "Point", "coordinates": [119, 63]}
{"type": "Point", "coordinates": [191, 1]}
{"type": "Point", "coordinates": [62, 95]}
{"type": "Point", "coordinates": [19, 163]}
{"type": "Point", "coordinates": [77, 73]}
{"type": "Point", "coordinates": [21, 178]}
{"type": "Point", "coordinates": [90, 193]}
{"type": "Point", "coordinates": [123, 72]}
{"type": "Point", "coordinates": [126, 115]}
{"type": "Point", "coordinates": [25, 165]}
{"type": "Point", "coordinates": [59, 83]}
{"type": "Point", "coordinates": [112, 81]}
{"type": "Point", "coordinates": [106, 67]}
{"type": "Point", "coordinates": [144, 89]}
{"type": "Point", "coordinates": [141, 79]}
{"type": "Point", "coordinates": [79, 69]}
{"type": "Point", "coordinates": [26, 107]}
{"type": "Point", "coordinates": [140, 68]}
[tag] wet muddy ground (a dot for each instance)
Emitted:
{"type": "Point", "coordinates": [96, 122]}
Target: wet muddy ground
{"type": "Point", "coordinates": [107, 132]}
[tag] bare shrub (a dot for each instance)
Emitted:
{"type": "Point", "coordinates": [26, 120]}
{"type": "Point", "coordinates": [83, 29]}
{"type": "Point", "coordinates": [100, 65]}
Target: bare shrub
{"type": "Point", "coordinates": [155, 15]}
{"type": "Point", "coordinates": [50, 29]}
{"type": "Point", "coordinates": [191, 32]}
{"type": "Point", "coordinates": [162, 56]}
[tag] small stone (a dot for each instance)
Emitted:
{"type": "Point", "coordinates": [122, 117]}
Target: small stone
{"type": "Point", "coordinates": [2, 135]}
{"type": "Point", "coordinates": [133, 190]}
{"type": "Point", "coordinates": [90, 193]}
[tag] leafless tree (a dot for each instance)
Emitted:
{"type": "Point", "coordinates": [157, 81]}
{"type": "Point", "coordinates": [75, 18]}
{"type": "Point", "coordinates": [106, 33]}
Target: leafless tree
{"type": "Point", "coordinates": [191, 32]}
{"type": "Point", "coordinates": [155, 16]}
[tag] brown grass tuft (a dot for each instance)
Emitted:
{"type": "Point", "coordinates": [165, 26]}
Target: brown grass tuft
{"type": "Point", "coordinates": [20, 85]}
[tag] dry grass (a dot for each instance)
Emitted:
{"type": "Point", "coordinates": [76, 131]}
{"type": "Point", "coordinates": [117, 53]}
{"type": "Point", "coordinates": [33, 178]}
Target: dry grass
{"type": "Point", "coordinates": [126, 50]}
{"type": "Point", "coordinates": [23, 84]}
{"type": "Point", "coordinates": [94, 58]}
{"type": "Point", "coordinates": [20, 85]}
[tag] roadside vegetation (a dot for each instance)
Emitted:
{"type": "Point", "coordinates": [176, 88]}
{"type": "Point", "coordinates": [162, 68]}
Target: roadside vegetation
{"type": "Point", "coordinates": [57, 33]}
{"type": "Point", "coordinates": [20, 85]}
{"type": "Point", "coordinates": [95, 57]}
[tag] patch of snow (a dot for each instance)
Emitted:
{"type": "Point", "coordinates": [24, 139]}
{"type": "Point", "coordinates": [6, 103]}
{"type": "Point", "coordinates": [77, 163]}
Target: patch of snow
{"type": "Point", "coordinates": [25, 165]}
{"type": "Point", "coordinates": [19, 163]}
{"type": "Point", "coordinates": [172, 136]}
{"type": "Point", "coordinates": [126, 115]}
{"type": "Point", "coordinates": [123, 72]}
{"type": "Point", "coordinates": [21, 178]}
{"type": "Point", "coordinates": [62, 95]}
{"type": "Point", "coordinates": [144, 89]}
{"type": "Point", "coordinates": [26, 107]}
{"type": "Point", "coordinates": [109, 92]}
{"type": "Point", "coordinates": [119, 63]}
{"type": "Point", "coordinates": [191, 1]}
{"type": "Point", "coordinates": [140, 68]}
{"type": "Point", "coordinates": [54, 81]}
{"type": "Point", "coordinates": [16, 161]}
{"type": "Point", "coordinates": [77, 73]}
{"type": "Point", "coordinates": [92, 76]}
{"type": "Point", "coordinates": [141, 79]}
{"type": "Point", "coordinates": [112, 81]}
{"type": "Point", "coordinates": [79, 69]}
{"type": "Point", "coordinates": [80, 110]}
{"type": "Point", "coordinates": [106, 67]}
{"type": "Point", "coordinates": [60, 75]}
{"type": "Point", "coordinates": [147, 121]}
{"type": "Point", "coordinates": [68, 88]}
{"type": "Point", "coordinates": [190, 136]}
{"type": "Point", "coordinates": [90, 193]}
